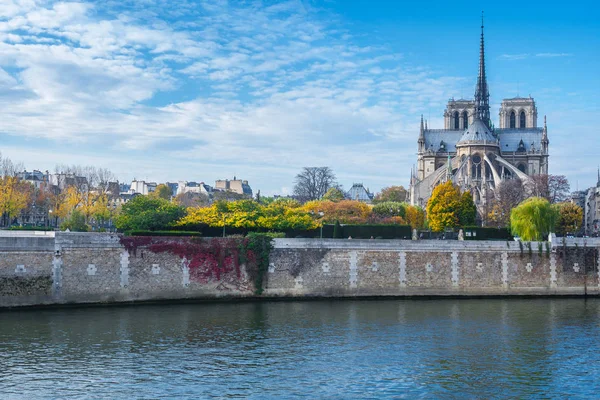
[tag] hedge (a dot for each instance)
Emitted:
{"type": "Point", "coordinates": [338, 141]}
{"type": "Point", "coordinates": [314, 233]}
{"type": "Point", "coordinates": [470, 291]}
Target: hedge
{"type": "Point", "coordinates": [162, 233]}
{"type": "Point", "coordinates": [344, 231]}
{"type": "Point", "coordinates": [479, 233]}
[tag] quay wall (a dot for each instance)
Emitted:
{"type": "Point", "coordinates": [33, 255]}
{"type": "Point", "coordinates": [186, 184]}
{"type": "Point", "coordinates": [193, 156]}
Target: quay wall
{"type": "Point", "coordinates": [71, 268]}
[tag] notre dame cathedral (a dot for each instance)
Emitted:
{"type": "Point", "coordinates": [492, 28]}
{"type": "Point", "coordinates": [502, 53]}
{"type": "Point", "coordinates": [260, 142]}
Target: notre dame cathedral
{"type": "Point", "coordinates": [473, 153]}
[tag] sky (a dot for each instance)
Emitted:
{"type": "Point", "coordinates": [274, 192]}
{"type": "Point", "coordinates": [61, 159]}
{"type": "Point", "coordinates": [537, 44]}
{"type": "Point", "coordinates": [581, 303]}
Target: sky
{"type": "Point", "coordinates": [170, 90]}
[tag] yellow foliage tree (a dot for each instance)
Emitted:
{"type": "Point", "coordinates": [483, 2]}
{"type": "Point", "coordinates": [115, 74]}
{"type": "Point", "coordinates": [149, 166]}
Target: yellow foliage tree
{"type": "Point", "coordinates": [443, 207]}
{"type": "Point", "coordinates": [14, 197]}
{"type": "Point", "coordinates": [345, 211]}
{"type": "Point", "coordinates": [415, 217]}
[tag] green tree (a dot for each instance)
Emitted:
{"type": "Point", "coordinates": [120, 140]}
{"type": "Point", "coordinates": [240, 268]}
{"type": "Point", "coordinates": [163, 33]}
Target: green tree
{"type": "Point", "coordinates": [533, 219]}
{"type": "Point", "coordinates": [444, 207]}
{"type": "Point", "coordinates": [162, 191]}
{"type": "Point", "coordinates": [334, 194]}
{"type": "Point", "coordinates": [390, 209]}
{"type": "Point", "coordinates": [75, 222]}
{"type": "Point", "coordinates": [392, 193]}
{"type": "Point", "coordinates": [570, 218]}
{"type": "Point", "coordinates": [148, 213]}
{"type": "Point", "coordinates": [467, 210]}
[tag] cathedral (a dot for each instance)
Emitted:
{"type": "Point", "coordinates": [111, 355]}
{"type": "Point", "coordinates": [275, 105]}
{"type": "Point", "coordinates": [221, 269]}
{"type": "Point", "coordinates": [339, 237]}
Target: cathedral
{"type": "Point", "coordinates": [473, 153]}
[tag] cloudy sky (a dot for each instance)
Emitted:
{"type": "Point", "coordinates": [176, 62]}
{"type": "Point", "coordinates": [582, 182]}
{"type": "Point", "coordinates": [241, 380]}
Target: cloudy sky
{"type": "Point", "coordinates": [169, 90]}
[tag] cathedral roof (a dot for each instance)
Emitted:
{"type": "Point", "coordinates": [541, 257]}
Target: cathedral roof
{"type": "Point", "coordinates": [477, 132]}
{"type": "Point", "coordinates": [509, 139]}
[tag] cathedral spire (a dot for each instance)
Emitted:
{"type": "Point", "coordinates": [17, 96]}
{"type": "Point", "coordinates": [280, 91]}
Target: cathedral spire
{"type": "Point", "coordinates": [421, 136]}
{"type": "Point", "coordinates": [482, 95]}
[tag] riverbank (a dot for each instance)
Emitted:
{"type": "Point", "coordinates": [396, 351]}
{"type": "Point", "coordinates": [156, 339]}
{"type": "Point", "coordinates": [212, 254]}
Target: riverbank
{"type": "Point", "coordinates": [88, 268]}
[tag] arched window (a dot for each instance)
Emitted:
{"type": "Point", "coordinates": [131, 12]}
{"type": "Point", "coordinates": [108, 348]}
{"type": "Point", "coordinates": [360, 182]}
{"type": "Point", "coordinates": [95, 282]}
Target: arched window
{"type": "Point", "coordinates": [466, 120]}
{"type": "Point", "coordinates": [476, 166]}
{"type": "Point", "coordinates": [522, 119]}
{"type": "Point", "coordinates": [456, 120]}
{"type": "Point", "coordinates": [513, 120]}
{"type": "Point", "coordinates": [522, 168]}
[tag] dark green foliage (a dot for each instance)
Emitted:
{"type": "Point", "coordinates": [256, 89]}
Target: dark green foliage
{"type": "Point", "coordinates": [390, 209]}
{"type": "Point", "coordinates": [337, 230]}
{"type": "Point", "coordinates": [162, 233]}
{"type": "Point", "coordinates": [540, 249]}
{"type": "Point", "coordinates": [467, 210]}
{"type": "Point", "coordinates": [548, 249]}
{"type": "Point", "coordinates": [147, 213]}
{"type": "Point", "coordinates": [261, 245]}
{"type": "Point", "coordinates": [479, 233]}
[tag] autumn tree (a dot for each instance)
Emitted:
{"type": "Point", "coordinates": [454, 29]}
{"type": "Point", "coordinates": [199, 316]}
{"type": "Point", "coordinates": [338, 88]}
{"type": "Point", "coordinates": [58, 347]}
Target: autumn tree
{"type": "Point", "coordinates": [392, 193]}
{"type": "Point", "coordinates": [554, 188]}
{"type": "Point", "coordinates": [334, 194]}
{"type": "Point", "coordinates": [14, 197]}
{"type": "Point", "coordinates": [533, 219]}
{"type": "Point", "coordinates": [345, 211]}
{"type": "Point", "coordinates": [508, 194]}
{"type": "Point", "coordinates": [313, 182]}
{"type": "Point", "coordinates": [415, 217]}
{"type": "Point", "coordinates": [445, 207]}
{"type": "Point", "coordinates": [570, 218]}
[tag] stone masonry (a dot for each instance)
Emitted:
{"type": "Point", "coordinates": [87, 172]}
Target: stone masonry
{"type": "Point", "coordinates": [95, 268]}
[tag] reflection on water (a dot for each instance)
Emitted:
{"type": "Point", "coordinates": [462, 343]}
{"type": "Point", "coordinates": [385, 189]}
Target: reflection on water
{"type": "Point", "coordinates": [334, 349]}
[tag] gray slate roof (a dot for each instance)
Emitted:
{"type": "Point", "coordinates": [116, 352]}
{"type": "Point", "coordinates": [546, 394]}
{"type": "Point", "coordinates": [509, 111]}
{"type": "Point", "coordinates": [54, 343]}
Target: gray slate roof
{"type": "Point", "coordinates": [509, 138]}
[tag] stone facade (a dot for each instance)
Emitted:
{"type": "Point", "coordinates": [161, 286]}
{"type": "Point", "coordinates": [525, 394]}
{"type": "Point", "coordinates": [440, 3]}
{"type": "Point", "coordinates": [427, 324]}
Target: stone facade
{"type": "Point", "coordinates": [96, 268]}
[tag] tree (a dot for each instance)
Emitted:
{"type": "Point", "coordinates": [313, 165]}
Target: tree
{"type": "Point", "coordinates": [533, 219]}
{"type": "Point", "coordinates": [443, 207]}
{"type": "Point", "coordinates": [9, 168]}
{"type": "Point", "coordinates": [147, 213]}
{"type": "Point", "coordinates": [554, 188]}
{"type": "Point", "coordinates": [345, 211]}
{"type": "Point", "coordinates": [467, 210]}
{"type": "Point", "coordinates": [191, 199]}
{"type": "Point", "coordinates": [415, 217]}
{"type": "Point", "coordinates": [75, 223]}
{"type": "Point", "coordinates": [389, 209]}
{"type": "Point", "coordinates": [334, 194]}
{"type": "Point", "coordinates": [313, 182]}
{"type": "Point", "coordinates": [570, 218]}
{"type": "Point", "coordinates": [508, 194]}
{"type": "Point", "coordinates": [14, 197]}
{"type": "Point", "coordinates": [392, 193]}
{"type": "Point", "coordinates": [163, 191]}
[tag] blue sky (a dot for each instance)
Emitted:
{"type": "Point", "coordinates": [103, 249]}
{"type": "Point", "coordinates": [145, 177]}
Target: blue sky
{"type": "Point", "coordinates": [169, 90]}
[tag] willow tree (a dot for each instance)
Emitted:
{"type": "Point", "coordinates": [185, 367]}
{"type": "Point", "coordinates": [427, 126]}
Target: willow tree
{"type": "Point", "coordinates": [533, 219]}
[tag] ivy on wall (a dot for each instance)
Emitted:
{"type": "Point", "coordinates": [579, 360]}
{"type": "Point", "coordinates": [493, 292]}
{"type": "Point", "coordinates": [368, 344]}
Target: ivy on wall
{"type": "Point", "coordinates": [212, 259]}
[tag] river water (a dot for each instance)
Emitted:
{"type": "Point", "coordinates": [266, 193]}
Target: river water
{"type": "Point", "coordinates": [460, 349]}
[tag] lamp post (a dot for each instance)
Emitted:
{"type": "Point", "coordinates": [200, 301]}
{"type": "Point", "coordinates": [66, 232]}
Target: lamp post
{"type": "Point", "coordinates": [321, 213]}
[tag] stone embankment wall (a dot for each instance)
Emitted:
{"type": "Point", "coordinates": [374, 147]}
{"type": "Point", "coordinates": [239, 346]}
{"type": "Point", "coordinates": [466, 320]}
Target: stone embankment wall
{"type": "Point", "coordinates": [97, 268]}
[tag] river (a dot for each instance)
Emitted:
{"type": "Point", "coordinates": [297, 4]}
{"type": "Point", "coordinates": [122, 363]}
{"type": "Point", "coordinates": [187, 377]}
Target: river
{"type": "Point", "coordinates": [488, 348]}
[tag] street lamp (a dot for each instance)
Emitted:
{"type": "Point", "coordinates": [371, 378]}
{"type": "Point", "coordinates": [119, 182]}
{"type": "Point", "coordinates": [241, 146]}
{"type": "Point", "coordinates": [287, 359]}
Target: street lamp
{"type": "Point", "coordinates": [321, 213]}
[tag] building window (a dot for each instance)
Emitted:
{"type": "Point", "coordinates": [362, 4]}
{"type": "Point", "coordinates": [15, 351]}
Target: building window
{"type": "Point", "coordinates": [466, 120]}
{"type": "Point", "coordinates": [476, 166]}
{"type": "Point", "coordinates": [456, 120]}
{"type": "Point", "coordinates": [522, 120]}
{"type": "Point", "coordinates": [513, 120]}
{"type": "Point", "coordinates": [522, 168]}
